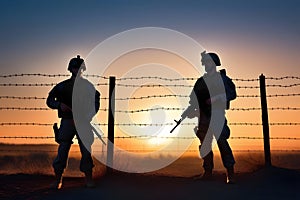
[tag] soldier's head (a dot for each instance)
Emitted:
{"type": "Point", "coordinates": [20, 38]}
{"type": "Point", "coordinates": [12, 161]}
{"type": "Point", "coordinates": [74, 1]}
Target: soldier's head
{"type": "Point", "coordinates": [76, 64]}
{"type": "Point", "coordinates": [210, 61]}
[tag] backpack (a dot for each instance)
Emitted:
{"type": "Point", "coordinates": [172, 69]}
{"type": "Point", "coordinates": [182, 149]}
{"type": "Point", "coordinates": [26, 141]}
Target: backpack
{"type": "Point", "coordinates": [229, 88]}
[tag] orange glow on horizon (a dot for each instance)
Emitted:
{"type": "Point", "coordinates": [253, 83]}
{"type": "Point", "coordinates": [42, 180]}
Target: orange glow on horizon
{"type": "Point", "coordinates": [126, 66]}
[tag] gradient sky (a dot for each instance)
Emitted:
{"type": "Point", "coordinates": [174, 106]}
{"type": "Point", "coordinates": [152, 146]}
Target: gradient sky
{"type": "Point", "coordinates": [262, 34]}
{"type": "Point", "coordinates": [251, 37]}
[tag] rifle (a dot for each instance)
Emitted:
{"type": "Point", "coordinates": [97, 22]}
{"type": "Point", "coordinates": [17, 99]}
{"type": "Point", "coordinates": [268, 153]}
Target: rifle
{"type": "Point", "coordinates": [187, 113]}
{"type": "Point", "coordinates": [98, 134]}
{"type": "Point", "coordinates": [56, 132]}
{"type": "Point", "coordinates": [177, 123]}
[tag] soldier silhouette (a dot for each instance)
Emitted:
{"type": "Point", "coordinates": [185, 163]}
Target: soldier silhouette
{"type": "Point", "coordinates": [211, 95]}
{"type": "Point", "coordinates": [60, 98]}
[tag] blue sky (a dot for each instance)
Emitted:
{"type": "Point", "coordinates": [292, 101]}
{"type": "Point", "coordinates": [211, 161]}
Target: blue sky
{"type": "Point", "coordinates": [36, 34]}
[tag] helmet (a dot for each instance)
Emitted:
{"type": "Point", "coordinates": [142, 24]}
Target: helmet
{"type": "Point", "coordinates": [212, 56]}
{"type": "Point", "coordinates": [76, 63]}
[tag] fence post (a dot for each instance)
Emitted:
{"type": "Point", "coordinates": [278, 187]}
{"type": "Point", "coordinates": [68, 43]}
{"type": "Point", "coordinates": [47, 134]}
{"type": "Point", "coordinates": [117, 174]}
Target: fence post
{"type": "Point", "coordinates": [111, 124]}
{"type": "Point", "coordinates": [265, 119]}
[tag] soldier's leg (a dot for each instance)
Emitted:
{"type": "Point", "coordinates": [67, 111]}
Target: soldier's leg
{"type": "Point", "coordinates": [226, 152]}
{"type": "Point", "coordinates": [66, 134]}
{"type": "Point", "coordinates": [60, 162]}
{"type": "Point", "coordinates": [85, 141]}
{"type": "Point", "coordinates": [86, 162]}
{"type": "Point", "coordinates": [205, 148]}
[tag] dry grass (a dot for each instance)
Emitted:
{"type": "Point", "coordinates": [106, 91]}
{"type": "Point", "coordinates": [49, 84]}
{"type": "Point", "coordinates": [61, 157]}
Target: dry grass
{"type": "Point", "coordinates": [37, 159]}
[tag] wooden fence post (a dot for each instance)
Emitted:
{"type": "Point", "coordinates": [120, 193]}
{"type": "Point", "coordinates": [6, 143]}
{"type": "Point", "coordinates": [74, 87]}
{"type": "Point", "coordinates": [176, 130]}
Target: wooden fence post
{"type": "Point", "coordinates": [111, 124]}
{"type": "Point", "coordinates": [265, 120]}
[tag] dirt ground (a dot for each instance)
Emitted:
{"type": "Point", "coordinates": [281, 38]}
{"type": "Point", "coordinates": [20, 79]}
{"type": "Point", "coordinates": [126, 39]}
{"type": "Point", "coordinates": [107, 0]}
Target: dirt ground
{"type": "Point", "coordinates": [265, 183]}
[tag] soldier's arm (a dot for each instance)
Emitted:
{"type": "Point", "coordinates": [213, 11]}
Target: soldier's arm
{"type": "Point", "coordinates": [97, 101]}
{"type": "Point", "coordinates": [52, 101]}
{"type": "Point", "coordinates": [192, 110]}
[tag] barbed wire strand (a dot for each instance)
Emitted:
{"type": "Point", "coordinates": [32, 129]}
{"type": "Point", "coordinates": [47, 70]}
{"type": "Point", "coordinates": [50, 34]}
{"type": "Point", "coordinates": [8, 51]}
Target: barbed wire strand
{"type": "Point", "coordinates": [50, 75]}
{"type": "Point", "coordinates": [128, 85]}
{"type": "Point", "coordinates": [135, 78]}
{"type": "Point", "coordinates": [269, 96]}
{"type": "Point", "coordinates": [152, 124]}
{"type": "Point", "coordinates": [283, 86]}
{"type": "Point", "coordinates": [150, 109]}
{"type": "Point", "coordinates": [32, 97]}
{"type": "Point", "coordinates": [154, 136]}
{"type": "Point", "coordinates": [144, 150]}
{"type": "Point", "coordinates": [282, 78]}
{"type": "Point", "coordinates": [38, 84]}
{"type": "Point", "coordinates": [36, 109]}
{"type": "Point", "coordinates": [149, 97]}
{"type": "Point", "coordinates": [139, 85]}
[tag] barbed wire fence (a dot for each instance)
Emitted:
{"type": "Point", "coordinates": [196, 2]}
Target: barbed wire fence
{"type": "Point", "coordinates": [241, 84]}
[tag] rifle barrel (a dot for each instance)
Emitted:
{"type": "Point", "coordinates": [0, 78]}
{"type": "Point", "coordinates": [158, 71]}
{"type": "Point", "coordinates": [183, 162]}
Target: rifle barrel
{"type": "Point", "coordinates": [177, 123]}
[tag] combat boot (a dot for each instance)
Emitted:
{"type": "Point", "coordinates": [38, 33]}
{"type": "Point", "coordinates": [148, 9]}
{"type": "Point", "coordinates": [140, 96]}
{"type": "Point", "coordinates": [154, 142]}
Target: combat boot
{"type": "Point", "coordinates": [89, 182]}
{"type": "Point", "coordinates": [230, 176]}
{"type": "Point", "coordinates": [57, 184]}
